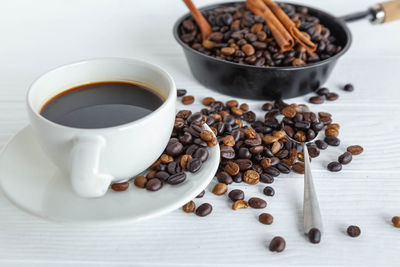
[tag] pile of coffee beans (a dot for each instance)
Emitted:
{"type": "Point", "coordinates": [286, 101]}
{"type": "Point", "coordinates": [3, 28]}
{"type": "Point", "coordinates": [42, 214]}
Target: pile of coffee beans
{"type": "Point", "coordinates": [241, 37]}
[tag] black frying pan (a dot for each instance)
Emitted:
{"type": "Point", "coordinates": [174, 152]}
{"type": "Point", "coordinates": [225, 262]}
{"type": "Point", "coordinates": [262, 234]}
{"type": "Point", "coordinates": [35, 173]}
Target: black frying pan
{"type": "Point", "coordinates": [253, 82]}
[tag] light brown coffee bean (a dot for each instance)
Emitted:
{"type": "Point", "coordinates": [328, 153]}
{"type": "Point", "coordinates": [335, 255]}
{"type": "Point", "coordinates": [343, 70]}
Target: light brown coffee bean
{"type": "Point", "coordinates": [251, 177]}
{"type": "Point", "coordinates": [269, 139]}
{"type": "Point", "coordinates": [184, 160]}
{"type": "Point", "coordinates": [220, 189]}
{"type": "Point", "coordinates": [331, 132]}
{"type": "Point", "coordinates": [298, 167]}
{"type": "Point", "coordinates": [355, 149]}
{"type": "Point", "coordinates": [228, 140]}
{"type": "Point", "coordinates": [289, 112]}
{"type": "Point", "coordinates": [250, 133]}
{"type": "Point", "coordinates": [240, 204]}
{"type": "Point", "coordinates": [244, 107]}
{"type": "Point", "coordinates": [279, 134]}
{"type": "Point", "coordinates": [300, 136]}
{"type": "Point", "coordinates": [396, 221]}
{"type": "Point", "coordinates": [140, 181]}
{"type": "Point", "coordinates": [189, 207]}
{"type": "Point", "coordinates": [232, 168]}
{"type": "Point", "coordinates": [151, 174]}
{"type": "Point", "coordinates": [187, 100]}
{"type": "Point", "coordinates": [256, 28]}
{"type": "Point", "coordinates": [208, 44]}
{"type": "Point", "coordinates": [237, 111]}
{"type": "Point", "coordinates": [206, 135]}
{"type": "Point", "coordinates": [120, 186]}
{"type": "Point", "coordinates": [231, 103]}
{"type": "Point", "coordinates": [228, 51]}
{"type": "Point", "coordinates": [166, 158]}
{"type": "Point", "coordinates": [266, 163]}
{"type": "Point", "coordinates": [248, 49]}
{"type": "Point", "coordinates": [207, 101]}
{"type": "Point", "coordinates": [276, 146]}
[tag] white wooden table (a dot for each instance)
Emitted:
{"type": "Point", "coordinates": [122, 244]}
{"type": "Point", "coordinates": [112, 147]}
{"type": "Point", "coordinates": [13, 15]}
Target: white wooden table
{"type": "Point", "coordinates": [39, 35]}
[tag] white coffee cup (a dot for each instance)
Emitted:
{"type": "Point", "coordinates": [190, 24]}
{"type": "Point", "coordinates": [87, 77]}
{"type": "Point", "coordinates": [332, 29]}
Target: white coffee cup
{"type": "Point", "coordinates": [94, 158]}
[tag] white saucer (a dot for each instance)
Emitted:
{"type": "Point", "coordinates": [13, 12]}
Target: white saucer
{"type": "Point", "coordinates": [34, 184]}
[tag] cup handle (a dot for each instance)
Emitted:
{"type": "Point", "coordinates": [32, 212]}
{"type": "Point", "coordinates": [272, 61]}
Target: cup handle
{"type": "Point", "coordinates": [84, 170]}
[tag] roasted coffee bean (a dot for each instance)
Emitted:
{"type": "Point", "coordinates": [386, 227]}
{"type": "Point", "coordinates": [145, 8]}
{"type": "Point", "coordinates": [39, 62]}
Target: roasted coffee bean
{"type": "Point", "coordinates": [322, 91]}
{"type": "Point", "coordinates": [206, 135]}
{"type": "Point", "coordinates": [232, 168]}
{"type": "Point", "coordinates": [334, 166]}
{"type": "Point", "coordinates": [183, 163]}
{"type": "Point", "coordinates": [201, 194]}
{"type": "Point", "coordinates": [289, 112]}
{"type": "Point", "coordinates": [266, 178]}
{"type": "Point", "coordinates": [195, 117]}
{"type": "Point", "coordinates": [163, 175]}
{"type": "Point", "coordinates": [256, 149]}
{"type": "Point", "coordinates": [204, 210]}
{"type": "Point", "coordinates": [267, 106]}
{"type": "Point", "coordinates": [174, 149]}
{"type": "Point", "coordinates": [244, 164]}
{"type": "Point", "coordinates": [227, 152]}
{"type": "Point", "coordinates": [207, 101]}
{"type": "Point", "coordinates": [229, 140]}
{"type": "Point", "coordinates": [266, 218]}
{"type": "Point", "coordinates": [224, 177]}
{"type": "Point", "coordinates": [184, 114]}
{"type": "Point", "coordinates": [269, 191]}
{"type": "Point", "coordinates": [266, 163]}
{"type": "Point", "coordinates": [332, 141]}
{"type": "Point", "coordinates": [194, 165]}
{"type": "Point", "coordinates": [189, 207]}
{"type": "Point", "coordinates": [345, 158]}
{"type": "Point", "coordinates": [310, 134]}
{"type": "Point", "coordinates": [187, 100]}
{"type": "Point", "coordinates": [176, 178]}
{"type": "Point", "coordinates": [283, 167]}
{"type": "Point", "coordinates": [120, 186]}
{"type": "Point", "coordinates": [355, 149]}
{"type": "Point", "coordinates": [316, 100]}
{"type": "Point", "coordinates": [317, 126]}
{"type": "Point", "coordinates": [154, 184]}
{"type": "Point", "coordinates": [140, 181]}
{"type": "Point", "coordinates": [298, 167]}
{"type": "Point", "coordinates": [331, 96]}
{"type": "Point", "coordinates": [151, 174]}
{"type": "Point", "coordinates": [174, 167]}
{"type": "Point", "coordinates": [220, 189]}
{"type": "Point", "coordinates": [201, 153]}
{"type": "Point", "coordinates": [353, 231]}
{"type": "Point", "coordinates": [277, 244]}
{"type": "Point", "coordinates": [314, 235]}
{"type": "Point", "coordinates": [249, 116]}
{"type": "Point", "coordinates": [348, 87]}
{"type": "Point", "coordinates": [257, 203]}
{"type": "Point", "coordinates": [251, 177]}
{"type": "Point", "coordinates": [238, 178]}
{"type": "Point", "coordinates": [272, 171]}
{"type": "Point", "coordinates": [240, 204]}
{"type": "Point", "coordinates": [244, 107]}
{"type": "Point", "coordinates": [274, 161]}
{"type": "Point", "coordinates": [236, 194]}
{"type": "Point", "coordinates": [313, 151]}
{"type": "Point", "coordinates": [321, 144]}
{"type": "Point", "coordinates": [181, 92]}
{"type": "Point", "coordinates": [396, 221]}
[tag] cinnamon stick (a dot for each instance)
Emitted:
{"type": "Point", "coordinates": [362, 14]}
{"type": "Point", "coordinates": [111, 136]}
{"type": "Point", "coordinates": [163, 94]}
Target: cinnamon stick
{"type": "Point", "coordinates": [300, 37]}
{"type": "Point", "coordinates": [203, 24]}
{"type": "Point", "coordinates": [278, 31]}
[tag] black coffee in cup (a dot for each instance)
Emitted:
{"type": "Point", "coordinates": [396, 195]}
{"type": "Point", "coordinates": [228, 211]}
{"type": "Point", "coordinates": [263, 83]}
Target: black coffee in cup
{"type": "Point", "coordinates": [101, 105]}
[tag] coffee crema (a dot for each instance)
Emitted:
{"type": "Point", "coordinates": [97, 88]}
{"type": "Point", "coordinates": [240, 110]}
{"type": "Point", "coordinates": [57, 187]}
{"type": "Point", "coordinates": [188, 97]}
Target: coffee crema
{"type": "Point", "coordinates": [101, 105]}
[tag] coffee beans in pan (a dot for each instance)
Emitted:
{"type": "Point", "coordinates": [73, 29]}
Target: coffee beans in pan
{"type": "Point", "coordinates": [241, 37]}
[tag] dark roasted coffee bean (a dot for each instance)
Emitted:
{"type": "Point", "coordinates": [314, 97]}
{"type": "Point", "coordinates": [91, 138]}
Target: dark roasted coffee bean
{"type": "Point", "coordinates": [322, 91]}
{"type": "Point", "coordinates": [244, 153]}
{"type": "Point", "coordinates": [204, 210]}
{"type": "Point", "coordinates": [321, 144]}
{"type": "Point", "coordinates": [283, 167]}
{"type": "Point", "coordinates": [302, 125]}
{"type": "Point", "coordinates": [266, 218]}
{"type": "Point", "coordinates": [238, 178]}
{"type": "Point", "coordinates": [310, 134]}
{"type": "Point", "coordinates": [194, 165]}
{"type": "Point", "coordinates": [353, 231]}
{"type": "Point", "coordinates": [249, 116]}
{"type": "Point", "coordinates": [195, 117]}
{"type": "Point", "coordinates": [316, 100]}
{"type": "Point", "coordinates": [267, 106]}
{"type": "Point", "coordinates": [277, 244]}
{"type": "Point", "coordinates": [174, 167]}
{"type": "Point", "coordinates": [257, 203]}
{"type": "Point", "coordinates": [283, 153]}
{"type": "Point", "coordinates": [236, 194]}
{"type": "Point", "coordinates": [201, 153]}
{"type": "Point", "coordinates": [227, 152]}
{"type": "Point", "coordinates": [201, 194]}
{"type": "Point", "coordinates": [317, 126]}
{"type": "Point", "coordinates": [331, 96]}
{"type": "Point", "coordinates": [298, 167]}
{"type": "Point", "coordinates": [244, 164]}
{"type": "Point", "coordinates": [314, 235]}
{"type": "Point", "coordinates": [192, 149]}
{"type": "Point", "coordinates": [256, 150]}
{"type": "Point", "coordinates": [161, 167]}
{"type": "Point", "coordinates": [334, 166]}
{"type": "Point", "coordinates": [186, 138]}
{"type": "Point", "coordinates": [177, 178]}
{"type": "Point", "coordinates": [181, 92]}
{"type": "Point", "coordinates": [332, 141]}
{"type": "Point", "coordinates": [174, 149]}
{"type": "Point", "coordinates": [266, 178]}
{"type": "Point", "coordinates": [348, 87]}
{"type": "Point", "coordinates": [345, 158]}
{"type": "Point", "coordinates": [162, 175]}
{"type": "Point", "coordinates": [224, 177]}
{"type": "Point", "coordinates": [272, 171]}
{"type": "Point", "coordinates": [313, 151]}
{"type": "Point", "coordinates": [200, 142]}
{"type": "Point", "coordinates": [269, 191]}
{"type": "Point", "coordinates": [154, 184]}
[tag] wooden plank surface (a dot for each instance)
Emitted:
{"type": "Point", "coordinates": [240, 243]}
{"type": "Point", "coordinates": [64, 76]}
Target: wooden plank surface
{"type": "Point", "coordinates": [39, 35]}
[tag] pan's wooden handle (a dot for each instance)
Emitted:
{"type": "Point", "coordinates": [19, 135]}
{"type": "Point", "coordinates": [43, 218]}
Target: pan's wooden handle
{"type": "Point", "coordinates": [391, 9]}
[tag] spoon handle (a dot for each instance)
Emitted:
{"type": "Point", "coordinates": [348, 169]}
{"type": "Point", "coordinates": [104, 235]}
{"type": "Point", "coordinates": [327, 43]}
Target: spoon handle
{"type": "Point", "coordinates": [311, 211]}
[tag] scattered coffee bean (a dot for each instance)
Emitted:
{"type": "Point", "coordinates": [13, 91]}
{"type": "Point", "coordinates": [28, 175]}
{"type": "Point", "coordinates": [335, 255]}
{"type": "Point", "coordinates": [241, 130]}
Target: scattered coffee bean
{"type": "Point", "coordinates": [194, 165]}
{"type": "Point", "coordinates": [240, 204]}
{"type": "Point", "coordinates": [316, 100]}
{"type": "Point", "coordinates": [314, 235]}
{"type": "Point", "coordinates": [331, 96]}
{"type": "Point", "coordinates": [321, 144]}
{"type": "Point", "coordinates": [266, 178]}
{"type": "Point", "coordinates": [396, 221]}
{"type": "Point", "coordinates": [140, 181]}
{"type": "Point", "coordinates": [269, 191]}
{"type": "Point", "coordinates": [266, 218]}
{"type": "Point", "coordinates": [189, 207]}
{"type": "Point", "coordinates": [201, 194]}
{"type": "Point", "coordinates": [257, 203]}
{"type": "Point", "coordinates": [355, 149]}
{"type": "Point", "coordinates": [353, 231]}
{"type": "Point", "coordinates": [277, 244]}
{"type": "Point", "coordinates": [220, 189]}
{"type": "Point", "coordinates": [334, 166]}
{"type": "Point", "coordinates": [181, 92]}
{"type": "Point", "coordinates": [204, 210]}
{"type": "Point", "coordinates": [120, 186]}
{"type": "Point", "coordinates": [236, 194]}
{"type": "Point", "coordinates": [348, 87]}
{"type": "Point", "coordinates": [322, 91]}
{"type": "Point", "coordinates": [187, 100]}
{"type": "Point", "coordinates": [332, 141]}
{"type": "Point", "coordinates": [154, 184]}
{"type": "Point", "coordinates": [345, 158]}
{"type": "Point", "coordinates": [176, 178]}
